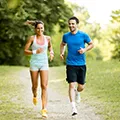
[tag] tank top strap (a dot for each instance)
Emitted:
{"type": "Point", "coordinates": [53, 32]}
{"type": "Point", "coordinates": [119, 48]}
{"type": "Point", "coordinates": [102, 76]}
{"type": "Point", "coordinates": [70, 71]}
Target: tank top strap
{"type": "Point", "coordinates": [34, 39]}
{"type": "Point", "coordinates": [46, 41]}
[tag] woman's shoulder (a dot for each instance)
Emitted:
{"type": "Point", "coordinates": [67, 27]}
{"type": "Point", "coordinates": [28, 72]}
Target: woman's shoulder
{"type": "Point", "coordinates": [48, 38]}
{"type": "Point", "coordinates": [31, 38]}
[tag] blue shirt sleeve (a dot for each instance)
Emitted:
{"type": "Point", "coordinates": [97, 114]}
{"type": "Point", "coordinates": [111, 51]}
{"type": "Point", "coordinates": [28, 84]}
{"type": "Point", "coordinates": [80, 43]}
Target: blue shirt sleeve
{"type": "Point", "coordinates": [87, 38]}
{"type": "Point", "coordinates": [63, 39]}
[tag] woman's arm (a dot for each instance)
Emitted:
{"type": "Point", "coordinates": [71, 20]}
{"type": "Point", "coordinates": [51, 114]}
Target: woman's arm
{"type": "Point", "coordinates": [50, 48]}
{"type": "Point", "coordinates": [27, 46]}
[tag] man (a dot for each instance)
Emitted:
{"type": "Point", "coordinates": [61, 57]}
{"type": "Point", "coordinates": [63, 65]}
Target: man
{"type": "Point", "coordinates": [76, 62]}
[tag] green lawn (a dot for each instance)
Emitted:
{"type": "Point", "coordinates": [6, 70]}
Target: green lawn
{"type": "Point", "coordinates": [102, 89]}
{"type": "Point", "coordinates": [9, 93]}
{"type": "Point", "coordinates": [14, 99]}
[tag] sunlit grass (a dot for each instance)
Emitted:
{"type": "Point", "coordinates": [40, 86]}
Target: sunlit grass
{"type": "Point", "coordinates": [12, 106]}
{"type": "Point", "coordinates": [102, 87]}
{"type": "Point", "coordinates": [102, 90]}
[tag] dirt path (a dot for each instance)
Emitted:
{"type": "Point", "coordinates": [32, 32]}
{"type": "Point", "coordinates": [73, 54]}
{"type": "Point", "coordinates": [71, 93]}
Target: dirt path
{"type": "Point", "coordinates": [58, 104]}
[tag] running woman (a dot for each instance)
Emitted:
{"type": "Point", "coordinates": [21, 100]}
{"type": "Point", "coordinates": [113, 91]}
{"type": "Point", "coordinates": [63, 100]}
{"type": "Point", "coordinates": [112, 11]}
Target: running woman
{"type": "Point", "coordinates": [39, 43]}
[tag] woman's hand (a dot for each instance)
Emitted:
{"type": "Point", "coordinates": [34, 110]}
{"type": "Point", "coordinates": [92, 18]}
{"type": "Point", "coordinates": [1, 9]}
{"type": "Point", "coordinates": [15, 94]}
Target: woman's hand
{"type": "Point", "coordinates": [39, 50]}
{"type": "Point", "coordinates": [51, 57]}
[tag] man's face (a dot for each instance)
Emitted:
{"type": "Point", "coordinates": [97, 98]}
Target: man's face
{"type": "Point", "coordinates": [72, 25]}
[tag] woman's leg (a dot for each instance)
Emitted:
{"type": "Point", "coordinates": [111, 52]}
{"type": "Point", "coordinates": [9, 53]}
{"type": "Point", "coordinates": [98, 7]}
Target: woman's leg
{"type": "Point", "coordinates": [34, 79]}
{"type": "Point", "coordinates": [44, 84]}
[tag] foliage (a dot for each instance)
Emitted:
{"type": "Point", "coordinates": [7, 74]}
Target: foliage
{"type": "Point", "coordinates": [13, 30]}
{"type": "Point", "coordinates": [92, 29]}
{"type": "Point", "coordinates": [115, 37]}
{"type": "Point", "coordinates": [56, 40]}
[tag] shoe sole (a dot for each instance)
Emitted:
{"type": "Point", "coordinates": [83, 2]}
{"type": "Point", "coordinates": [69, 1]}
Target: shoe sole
{"type": "Point", "coordinates": [74, 116]}
{"type": "Point", "coordinates": [44, 117]}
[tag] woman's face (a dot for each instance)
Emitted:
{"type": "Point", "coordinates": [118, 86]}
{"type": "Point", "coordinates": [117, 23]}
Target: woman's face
{"type": "Point", "coordinates": [39, 29]}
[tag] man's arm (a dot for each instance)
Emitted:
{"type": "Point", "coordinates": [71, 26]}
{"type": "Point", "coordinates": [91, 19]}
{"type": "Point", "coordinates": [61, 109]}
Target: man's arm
{"type": "Point", "coordinates": [62, 50]}
{"type": "Point", "coordinates": [89, 47]}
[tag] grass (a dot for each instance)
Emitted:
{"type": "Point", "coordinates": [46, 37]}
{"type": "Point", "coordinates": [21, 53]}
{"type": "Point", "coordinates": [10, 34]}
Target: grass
{"type": "Point", "coordinates": [8, 92]}
{"type": "Point", "coordinates": [102, 90]}
{"type": "Point", "coordinates": [12, 92]}
{"type": "Point", "coordinates": [102, 87]}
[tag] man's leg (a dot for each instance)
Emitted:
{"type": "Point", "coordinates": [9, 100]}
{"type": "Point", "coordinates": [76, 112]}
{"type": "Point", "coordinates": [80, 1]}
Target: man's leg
{"type": "Point", "coordinates": [81, 74]}
{"type": "Point", "coordinates": [72, 97]}
{"type": "Point", "coordinates": [79, 89]}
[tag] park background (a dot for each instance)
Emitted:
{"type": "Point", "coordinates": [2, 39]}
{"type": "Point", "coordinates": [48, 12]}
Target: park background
{"type": "Point", "coordinates": [103, 60]}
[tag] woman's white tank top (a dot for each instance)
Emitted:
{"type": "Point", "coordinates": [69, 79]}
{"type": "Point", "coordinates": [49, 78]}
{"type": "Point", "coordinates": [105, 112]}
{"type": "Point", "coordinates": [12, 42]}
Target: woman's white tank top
{"type": "Point", "coordinates": [42, 57]}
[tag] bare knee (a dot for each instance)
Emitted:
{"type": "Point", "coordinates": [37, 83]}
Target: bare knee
{"type": "Point", "coordinates": [71, 86]}
{"type": "Point", "coordinates": [80, 88]}
{"type": "Point", "coordinates": [44, 87]}
{"type": "Point", "coordinates": [34, 88]}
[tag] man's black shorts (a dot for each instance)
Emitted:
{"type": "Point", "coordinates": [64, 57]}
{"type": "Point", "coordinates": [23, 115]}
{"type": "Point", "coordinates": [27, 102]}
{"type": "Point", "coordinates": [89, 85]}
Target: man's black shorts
{"type": "Point", "coordinates": [76, 74]}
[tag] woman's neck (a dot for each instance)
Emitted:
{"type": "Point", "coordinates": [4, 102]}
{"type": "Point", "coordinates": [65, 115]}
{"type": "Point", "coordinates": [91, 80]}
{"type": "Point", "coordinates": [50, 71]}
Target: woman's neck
{"type": "Point", "coordinates": [40, 39]}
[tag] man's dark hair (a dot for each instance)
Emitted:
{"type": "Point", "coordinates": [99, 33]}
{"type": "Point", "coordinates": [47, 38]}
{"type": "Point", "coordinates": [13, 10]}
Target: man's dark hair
{"type": "Point", "coordinates": [74, 18]}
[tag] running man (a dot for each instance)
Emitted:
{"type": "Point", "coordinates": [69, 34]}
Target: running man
{"type": "Point", "coordinates": [76, 61]}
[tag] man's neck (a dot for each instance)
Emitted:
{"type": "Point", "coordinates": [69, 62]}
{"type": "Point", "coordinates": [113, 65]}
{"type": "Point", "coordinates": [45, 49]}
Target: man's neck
{"type": "Point", "coordinates": [74, 32]}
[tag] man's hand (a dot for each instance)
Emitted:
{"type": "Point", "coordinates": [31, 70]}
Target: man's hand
{"type": "Point", "coordinates": [82, 50]}
{"type": "Point", "coordinates": [62, 56]}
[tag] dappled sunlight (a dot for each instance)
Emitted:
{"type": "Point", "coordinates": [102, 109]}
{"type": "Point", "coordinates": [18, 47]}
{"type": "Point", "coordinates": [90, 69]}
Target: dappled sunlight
{"type": "Point", "coordinates": [13, 3]}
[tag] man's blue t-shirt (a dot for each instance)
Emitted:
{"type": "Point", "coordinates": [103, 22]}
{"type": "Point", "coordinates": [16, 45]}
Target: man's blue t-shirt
{"type": "Point", "coordinates": [74, 43]}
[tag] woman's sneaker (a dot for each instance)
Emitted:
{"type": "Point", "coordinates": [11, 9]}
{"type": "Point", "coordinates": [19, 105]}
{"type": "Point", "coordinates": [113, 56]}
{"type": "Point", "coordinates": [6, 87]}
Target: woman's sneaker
{"type": "Point", "coordinates": [34, 100]}
{"type": "Point", "coordinates": [44, 113]}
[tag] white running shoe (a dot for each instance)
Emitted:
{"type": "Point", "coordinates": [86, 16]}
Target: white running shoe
{"type": "Point", "coordinates": [74, 111]}
{"type": "Point", "coordinates": [77, 97]}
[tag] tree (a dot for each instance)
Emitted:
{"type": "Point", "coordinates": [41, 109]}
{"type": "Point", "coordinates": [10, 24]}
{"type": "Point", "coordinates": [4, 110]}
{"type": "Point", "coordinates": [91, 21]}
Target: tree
{"type": "Point", "coordinates": [13, 30]}
{"type": "Point", "coordinates": [115, 37]}
{"type": "Point", "coordinates": [93, 29]}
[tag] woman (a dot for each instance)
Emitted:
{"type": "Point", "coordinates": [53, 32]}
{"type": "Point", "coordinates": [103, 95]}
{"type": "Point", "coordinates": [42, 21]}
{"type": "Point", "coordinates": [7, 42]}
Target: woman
{"type": "Point", "coordinates": [39, 43]}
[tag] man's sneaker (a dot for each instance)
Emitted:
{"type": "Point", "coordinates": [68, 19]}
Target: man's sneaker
{"type": "Point", "coordinates": [34, 100]}
{"type": "Point", "coordinates": [44, 113]}
{"type": "Point", "coordinates": [77, 97]}
{"type": "Point", "coordinates": [74, 111]}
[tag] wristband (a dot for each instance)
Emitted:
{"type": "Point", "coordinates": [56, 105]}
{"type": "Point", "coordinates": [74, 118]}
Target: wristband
{"type": "Point", "coordinates": [34, 51]}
